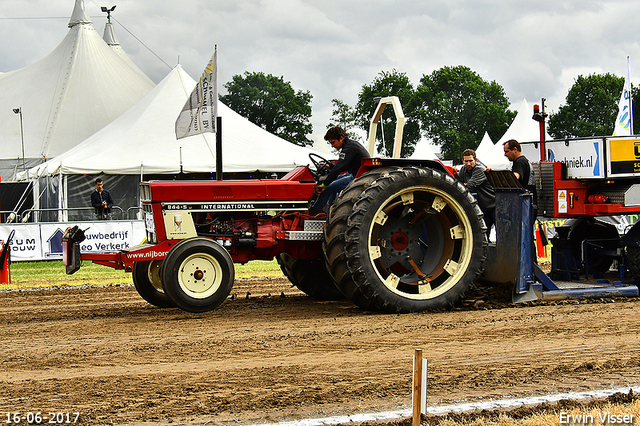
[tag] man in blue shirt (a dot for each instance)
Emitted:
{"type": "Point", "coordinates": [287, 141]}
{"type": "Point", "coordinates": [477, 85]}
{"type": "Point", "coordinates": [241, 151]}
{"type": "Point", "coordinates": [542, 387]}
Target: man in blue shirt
{"type": "Point", "coordinates": [351, 154]}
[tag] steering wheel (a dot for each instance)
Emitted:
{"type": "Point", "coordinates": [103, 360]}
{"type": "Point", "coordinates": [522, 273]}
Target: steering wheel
{"type": "Point", "coordinates": [321, 164]}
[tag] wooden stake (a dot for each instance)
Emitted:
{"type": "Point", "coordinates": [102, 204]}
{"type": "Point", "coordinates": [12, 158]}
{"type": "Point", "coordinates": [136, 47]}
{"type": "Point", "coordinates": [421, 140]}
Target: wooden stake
{"type": "Point", "coordinates": [417, 386]}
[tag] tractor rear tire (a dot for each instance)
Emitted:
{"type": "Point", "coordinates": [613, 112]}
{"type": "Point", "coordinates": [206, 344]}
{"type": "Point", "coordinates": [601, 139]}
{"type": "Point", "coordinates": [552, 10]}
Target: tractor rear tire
{"type": "Point", "coordinates": [335, 233]}
{"type": "Point", "coordinates": [415, 241]}
{"type": "Point", "coordinates": [198, 274]}
{"type": "Point", "coordinates": [310, 276]}
{"type": "Point", "coordinates": [146, 279]}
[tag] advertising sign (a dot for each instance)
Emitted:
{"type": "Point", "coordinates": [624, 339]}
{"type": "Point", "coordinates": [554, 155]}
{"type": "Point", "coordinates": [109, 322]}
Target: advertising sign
{"type": "Point", "coordinates": [583, 157]}
{"type": "Point", "coordinates": [625, 156]}
{"type": "Point", "coordinates": [43, 241]}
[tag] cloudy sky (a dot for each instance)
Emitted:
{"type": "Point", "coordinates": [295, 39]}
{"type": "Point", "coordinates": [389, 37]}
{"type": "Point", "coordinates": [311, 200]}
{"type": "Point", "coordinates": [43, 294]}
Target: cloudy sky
{"type": "Point", "coordinates": [534, 49]}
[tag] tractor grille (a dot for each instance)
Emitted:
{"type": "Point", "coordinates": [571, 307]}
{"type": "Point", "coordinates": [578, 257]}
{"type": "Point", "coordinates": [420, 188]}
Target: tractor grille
{"type": "Point", "coordinates": [149, 224]}
{"type": "Point", "coordinates": [544, 188]}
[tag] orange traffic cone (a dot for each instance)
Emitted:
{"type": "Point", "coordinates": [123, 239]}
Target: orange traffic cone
{"type": "Point", "coordinates": [5, 258]}
{"type": "Point", "coordinates": [541, 241]}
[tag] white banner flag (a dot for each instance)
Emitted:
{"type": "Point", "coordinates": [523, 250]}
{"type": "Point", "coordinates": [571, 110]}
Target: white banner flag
{"type": "Point", "coordinates": [624, 120]}
{"type": "Point", "coordinates": [201, 109]}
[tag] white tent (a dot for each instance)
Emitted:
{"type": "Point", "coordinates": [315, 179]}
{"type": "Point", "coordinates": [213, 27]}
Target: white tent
{"type": "Point", "coordinates": [143, 140]}
{"type": "Point", "coordinates": [423, 151]}
{"type": "Point", "coordinates": [109, 36]}
{"type": "Point", "coordinates": [485, 146]}
{"type": "Point", "coordinates": [322, 146]}
{"type": "Point", "coordinates": [523, 129]}
{"type": "Point", "coordinates": [81, 86]}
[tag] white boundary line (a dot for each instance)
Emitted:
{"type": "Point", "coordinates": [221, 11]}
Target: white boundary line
{"type": "Point", "coordinates": [456, 408]}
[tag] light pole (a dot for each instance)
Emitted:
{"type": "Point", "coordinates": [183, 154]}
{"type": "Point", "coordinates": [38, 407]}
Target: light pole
{"type": "Point", "coordinates": [19, 112]}
{"type": "Point", "coordinates": [108, 12]}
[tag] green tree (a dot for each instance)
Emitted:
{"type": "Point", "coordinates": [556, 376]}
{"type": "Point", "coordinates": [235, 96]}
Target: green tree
{"type": "Point", "coordinates": [271, 103]}
{"type": "Point", "coordinates": [591, 107]}
{"type": "Point", "coordinates": [457, 106]}
{"type": "Point", "coordinates": [392, 83]}
{"type": "Point", "coordinates": [344, 116]}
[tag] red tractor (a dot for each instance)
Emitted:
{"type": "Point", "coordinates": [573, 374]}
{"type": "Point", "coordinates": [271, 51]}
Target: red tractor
{"type": "Point", "coordinates": [404, 236]}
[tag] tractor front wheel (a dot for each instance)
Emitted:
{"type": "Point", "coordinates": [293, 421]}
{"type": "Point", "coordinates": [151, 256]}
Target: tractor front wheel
{"type": "Point", "coordinates": [198, 274]}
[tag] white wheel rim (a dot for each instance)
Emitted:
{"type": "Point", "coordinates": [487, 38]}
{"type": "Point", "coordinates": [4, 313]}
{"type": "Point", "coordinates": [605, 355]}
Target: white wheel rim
{"type": "Point", "coordinates": [200, 275]}
{"type": "Point", "coordinates": [153, 274]}
{"type": "Point", "coordinates": [461, 235]}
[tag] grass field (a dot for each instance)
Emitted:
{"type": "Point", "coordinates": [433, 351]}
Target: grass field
{"type": "Point", "coordinates": [587, 413]}
{"type": "Point", "coordinates": [52, 274]}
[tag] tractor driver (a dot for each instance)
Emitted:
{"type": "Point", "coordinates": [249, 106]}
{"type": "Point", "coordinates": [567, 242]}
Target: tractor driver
{"type": "Point", "coordinates": [351, 154]}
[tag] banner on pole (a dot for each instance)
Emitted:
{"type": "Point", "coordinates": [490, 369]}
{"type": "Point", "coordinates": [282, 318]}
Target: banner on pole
{"type": "Point", "coordinates": [199, 113]}
{"type": "Point", "coordinates": [624, 120]}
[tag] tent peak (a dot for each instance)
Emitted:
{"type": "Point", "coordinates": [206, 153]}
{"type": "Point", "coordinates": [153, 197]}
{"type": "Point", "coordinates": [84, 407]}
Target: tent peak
{"type": "Point", "coordinates": [78, 16]}
{"type": "Point", "coordinates": [109, 35]}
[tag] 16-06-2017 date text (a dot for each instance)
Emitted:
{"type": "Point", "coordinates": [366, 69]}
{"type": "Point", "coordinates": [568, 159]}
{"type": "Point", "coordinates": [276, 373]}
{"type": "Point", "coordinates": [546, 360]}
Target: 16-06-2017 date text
{"type": "Point", "coordinates": [36, 418]}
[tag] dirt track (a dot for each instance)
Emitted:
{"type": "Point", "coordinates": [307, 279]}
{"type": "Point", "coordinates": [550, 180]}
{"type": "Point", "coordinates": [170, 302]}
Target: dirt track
{"type": "Point", "coordinates": [107, 354]}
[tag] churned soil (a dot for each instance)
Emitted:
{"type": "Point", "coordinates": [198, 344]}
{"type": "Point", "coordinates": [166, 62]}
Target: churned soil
{"type": "Point", "coordinates": [270, 353]}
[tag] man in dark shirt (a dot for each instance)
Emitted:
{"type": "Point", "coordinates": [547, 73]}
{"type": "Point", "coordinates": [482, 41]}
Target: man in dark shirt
{"type": "Point", "coordinates": [474, 177]}
{"type": "Point", "coordinates": [521, 167]}
{"type": "Point", "coordinates": [351, 154]}
{"type": "Point", "coordinates": [101, 201]}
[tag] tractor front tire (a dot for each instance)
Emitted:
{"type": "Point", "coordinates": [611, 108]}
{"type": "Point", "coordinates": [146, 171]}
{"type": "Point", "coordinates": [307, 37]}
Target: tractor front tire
{"type": "Point", "coordinates": [146, 279]}
{"type": "Point", "coordinates": [415, 241]}
{"type": "Point", "coordinates": [198, 274]}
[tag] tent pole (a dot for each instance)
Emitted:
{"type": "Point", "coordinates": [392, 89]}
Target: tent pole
{"type": "Point", "coordinates": [60, 198]}
{"type": "Point", "coordinates": [139, 213]}
{"type": "Point", "coordinates": [65, 199]}
{"type": "Point", "coordinates": [36, 201]}
{"type": "Point", "coordinates": [219, 148]}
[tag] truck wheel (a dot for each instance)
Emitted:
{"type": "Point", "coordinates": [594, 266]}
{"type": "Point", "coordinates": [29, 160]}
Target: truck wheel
{"type": "Point", "coordinates": [146, 279]}
{"type": "Point", "coordinates": [633, 262]}
{"type": "Point", "coordinates": [310, 276]}
{"type": "Point", "coordinates": [415, 241]}
{"type": "Point", "coordinates": [197, 274]}
{"type": "Point", "coordinates": [335, 232]}
{"type": "Point", "coordinates": [596, 230]}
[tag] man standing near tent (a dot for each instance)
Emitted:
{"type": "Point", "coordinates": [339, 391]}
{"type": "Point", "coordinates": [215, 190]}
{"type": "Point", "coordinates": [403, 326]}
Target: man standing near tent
{"type": "Point", "coordinates": [521, 167]}
{"type": "Point", "coordinates": [101, 201]}
{"type": "Point", "coordinates": [474, 177]}
{"type": "Point", "coordinates": [351, 154]}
